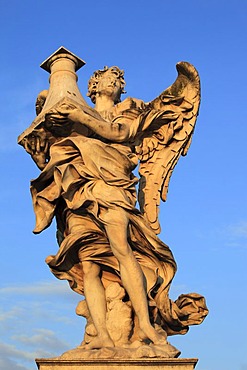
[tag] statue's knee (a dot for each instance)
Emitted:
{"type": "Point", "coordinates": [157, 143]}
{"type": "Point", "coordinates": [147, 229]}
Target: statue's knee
{"type": "Point", "coordinates": [115, 217]}
{"type": "Point", "coordinates": [90, 269]}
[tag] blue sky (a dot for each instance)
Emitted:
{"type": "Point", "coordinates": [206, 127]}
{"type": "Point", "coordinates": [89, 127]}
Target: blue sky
{"type": "Point", "coordinates": [204, 220]}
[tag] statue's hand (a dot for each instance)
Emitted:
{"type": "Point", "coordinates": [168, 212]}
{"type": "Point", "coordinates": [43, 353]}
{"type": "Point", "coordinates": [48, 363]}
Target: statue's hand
{"type": "Point", "coordinates": [61, 114]}
{"type": "Point", "coordinates": [54, 119]}
{"type": "Point", "coordinates": [59, 120]}
{"type": "Point", "coordinates": [37, 146]}
{"type": "Point", "coordinates": [66, 118]}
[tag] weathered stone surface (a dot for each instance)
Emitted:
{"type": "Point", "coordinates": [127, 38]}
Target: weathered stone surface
{"type": "Point", "coordinates": [109, 251]}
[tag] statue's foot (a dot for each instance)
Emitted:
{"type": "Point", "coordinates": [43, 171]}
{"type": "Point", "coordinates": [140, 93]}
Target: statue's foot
{"type": "Point", "coordinates": [153, 335]}
{"type": "Point", "coordinates": [100, 342]}
{"type": "Point", "coordinates": [160, 340]}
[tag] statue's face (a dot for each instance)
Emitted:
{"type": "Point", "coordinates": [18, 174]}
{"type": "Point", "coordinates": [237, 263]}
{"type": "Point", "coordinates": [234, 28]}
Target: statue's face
{"type": "Point", "coordinates": [109, 84]}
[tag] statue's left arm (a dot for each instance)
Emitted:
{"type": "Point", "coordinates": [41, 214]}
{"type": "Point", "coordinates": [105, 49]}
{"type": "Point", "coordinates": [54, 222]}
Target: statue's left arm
{"type": "Point", "coordinates": [114, 130]}
{"type": "Point", "coordinates": [110, 130]}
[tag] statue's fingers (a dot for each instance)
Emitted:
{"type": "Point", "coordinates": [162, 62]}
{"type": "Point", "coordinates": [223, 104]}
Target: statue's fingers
{"type": "Point", "coordinates": [50, 117]}
{"type": "Point", "coordinates": [27, 148]}
{"type": "Point", "coordinates": [33, 144]}
{"type": "Point", "coordinates": [42, 142]}
{"type": "Point", "coordinates": [56, 118]}
{"type": "Point", "coordinates": [38, 144]}
{"type": "Point", "coordinates": [46, 146]}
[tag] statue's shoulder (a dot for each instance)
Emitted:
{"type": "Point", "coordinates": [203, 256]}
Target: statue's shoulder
{"type": "Point", "coordinates": [129, 105]}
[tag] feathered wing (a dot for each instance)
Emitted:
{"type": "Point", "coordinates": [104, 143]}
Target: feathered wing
{"type": "Point", "coordinates": [166, 135]}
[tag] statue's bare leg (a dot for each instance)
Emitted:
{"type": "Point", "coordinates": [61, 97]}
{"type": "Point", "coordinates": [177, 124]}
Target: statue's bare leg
{"type": "Point", "coordinates": [93, 289]}
{"type": "Point", "coordinates": [95, 298]}
{"type": "Point", "coordinates": [116, 225]}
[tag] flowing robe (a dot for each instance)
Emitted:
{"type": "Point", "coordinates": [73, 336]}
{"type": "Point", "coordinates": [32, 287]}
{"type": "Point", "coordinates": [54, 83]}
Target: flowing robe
{"type": "Point", "coordinates": [85, 177]}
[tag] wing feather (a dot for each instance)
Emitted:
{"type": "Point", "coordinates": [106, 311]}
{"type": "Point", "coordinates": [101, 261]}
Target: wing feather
{"type": "Point", "coordinates": [177, 109]}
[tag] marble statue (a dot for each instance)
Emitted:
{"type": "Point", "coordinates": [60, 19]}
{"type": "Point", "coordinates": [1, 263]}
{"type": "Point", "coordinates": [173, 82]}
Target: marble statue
{"type": "Point", "coordinates": [109, 250]}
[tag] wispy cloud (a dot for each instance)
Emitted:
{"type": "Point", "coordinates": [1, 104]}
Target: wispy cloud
{"type": "Point", "coordinates": [8, 364]}
{"type": "Point", "coordinates": [42, 338]}
{"type": "Point", "coordinates": [43, 343]}
{"type": "Point", "coordinates": [11, 313]}
{"type": "Point", "coordinates": [8, 350]}
{"type": "Point", "coordinates": [32, 308]}
{"type": "Point", "coordinates": [239, 230]}
{"type": "Point", "coordinates": [37, 288]}
{"type": "Point", "coordinates": [42, 299]}
{"type": "Point", "coordinates": [23, 306]}
{"type": "Point", "coordinates": [235, 234]}
{"type": "Point", "coordinates": [12, 358]}
{"type": "Point", "coordinates": [28, 314]}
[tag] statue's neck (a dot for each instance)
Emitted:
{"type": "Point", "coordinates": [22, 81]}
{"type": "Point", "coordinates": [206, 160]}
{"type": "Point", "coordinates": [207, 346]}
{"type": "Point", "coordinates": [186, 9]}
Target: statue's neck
{"type": "Point", "coordinates": [103, 103]}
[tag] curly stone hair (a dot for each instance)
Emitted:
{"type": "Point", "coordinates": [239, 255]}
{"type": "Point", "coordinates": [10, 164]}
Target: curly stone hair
{"type": "Point", "coordinates": [93, 82]}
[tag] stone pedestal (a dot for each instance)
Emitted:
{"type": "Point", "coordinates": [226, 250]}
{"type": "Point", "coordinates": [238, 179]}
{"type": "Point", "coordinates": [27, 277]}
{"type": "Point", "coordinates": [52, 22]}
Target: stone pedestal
{"type": "Point", "coordinates": [147, 364]}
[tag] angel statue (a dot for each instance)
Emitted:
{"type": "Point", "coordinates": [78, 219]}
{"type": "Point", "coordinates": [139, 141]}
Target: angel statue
{"type": "Point", "coordinates": [109, 250]}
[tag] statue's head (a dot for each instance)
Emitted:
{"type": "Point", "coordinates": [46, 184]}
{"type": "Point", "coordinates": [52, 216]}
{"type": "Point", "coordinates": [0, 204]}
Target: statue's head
{"type": "Point", "coordinates": [107, 80]}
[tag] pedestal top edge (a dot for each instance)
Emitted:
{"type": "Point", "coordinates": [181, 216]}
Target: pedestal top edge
{"type": "Point", "coordinates": [118, 361]}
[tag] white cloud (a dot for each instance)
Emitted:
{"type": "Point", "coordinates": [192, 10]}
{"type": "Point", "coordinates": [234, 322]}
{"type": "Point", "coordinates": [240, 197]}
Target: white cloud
{"type": "Point", "coordinates": [22, 349]}
{"type": "Point", "coordinates": [42, 300]}
{"type": "Point", "coordinates": [27, 312]}
{"type": "Point", "coordinates": [233, 235]}
{"type": "Point", "coordinates": [43, 338]}
{"type": "Point", "coordinates": [236, 235]}
{"type": "Point", "coordinates": [11, 313]}
{"type": "Point", "coordinates": [44, 343]}
{"type": "Point", "coordinates": [7, 364]}
{"type": "Point", "coordinates": [8, 350]}
{"type": "Point", "coordinates": [37, 288]}
{"type": "Point", "coordinates": [239, 230]}
{"type": "Point", "coordinates": [37, 319]}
